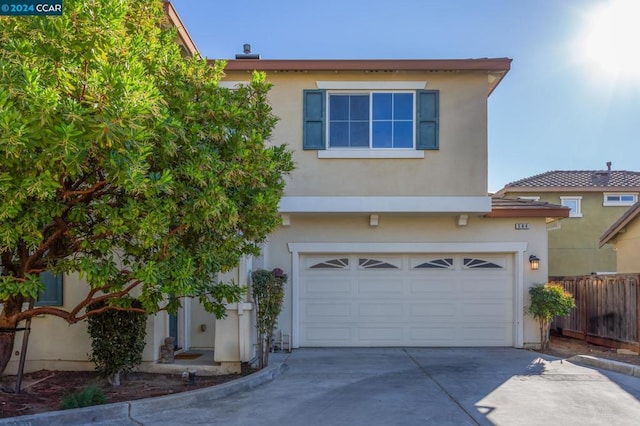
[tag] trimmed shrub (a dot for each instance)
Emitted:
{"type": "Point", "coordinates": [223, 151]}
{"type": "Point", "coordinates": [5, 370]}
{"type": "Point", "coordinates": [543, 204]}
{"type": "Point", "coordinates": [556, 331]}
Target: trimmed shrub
{"type": "Point", "coordinates": [549, 300]}
{"type": "Point", "coordinates": [117, 339]}
{"type": "Point", "coordinates": [268, 295]}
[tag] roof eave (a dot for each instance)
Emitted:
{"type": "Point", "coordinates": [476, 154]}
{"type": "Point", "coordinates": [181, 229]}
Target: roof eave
{"type": "Point", "coordinates": [555, 213]}
{"type": "Point", "coordinates": [183, 35]}
{"type": "Point", "coordinates": [496, 68]}
{"type": "Point", "coordinates": [620, 224]}
{"type": "Point", "coordinates": [511, 189]}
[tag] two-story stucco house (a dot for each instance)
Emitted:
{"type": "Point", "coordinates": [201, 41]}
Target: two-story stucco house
{"type": "Point", "coordinates": [597, 198]}
{"type": "Point", "coordinates": [388, 235]}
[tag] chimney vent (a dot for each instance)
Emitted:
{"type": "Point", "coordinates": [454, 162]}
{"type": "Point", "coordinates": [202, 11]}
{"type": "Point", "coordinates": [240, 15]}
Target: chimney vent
{"type": "Point", "coordinates": [246, 48]}
{"type": "Point", "coordinates": [609, 165]}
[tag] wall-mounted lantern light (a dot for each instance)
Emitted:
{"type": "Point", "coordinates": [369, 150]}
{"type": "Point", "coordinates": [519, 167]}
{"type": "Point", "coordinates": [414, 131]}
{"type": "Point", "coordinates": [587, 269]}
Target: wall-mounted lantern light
{"type": "Point", "coordinates": [534, 261]}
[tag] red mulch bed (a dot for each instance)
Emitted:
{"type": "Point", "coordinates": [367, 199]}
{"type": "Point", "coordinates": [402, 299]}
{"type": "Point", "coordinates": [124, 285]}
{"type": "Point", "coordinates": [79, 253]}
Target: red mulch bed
{"type": "Point", "coordinates": [44, 390]}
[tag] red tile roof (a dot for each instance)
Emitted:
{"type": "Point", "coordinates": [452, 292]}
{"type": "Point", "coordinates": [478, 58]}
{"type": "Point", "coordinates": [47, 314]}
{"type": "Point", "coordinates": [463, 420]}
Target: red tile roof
{"type": "Point", "coordinates": [516, 207]}
{"type": "Point", "coordinates": [582, 179]}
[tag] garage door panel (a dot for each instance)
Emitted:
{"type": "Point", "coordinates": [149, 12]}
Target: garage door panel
{"type": "Point", "coordinates": [497, 335]}
{"type": "Point", "coordinates": [380, 311]}
{"type": "Point", "coordinates": [327, 287]}
{"type": "Point", "coordinates": [487, 311]}
{"type": "Point", "coordinates": [433, 300]}
{"type": "Point", "coordinates": [381, 335]}
{"type": "Point", "coordinates": [433, 288]}
{"type": "Point", "coordinates": [327, 311]}
{"type": "Point", "coordinates": [368, 287]}
{"type": "Point", "coordinates": [327, 336]}
{"type": "Point", "coordinates": [432, 310]}
{"type": "Point", "coordinates": [433, 336]}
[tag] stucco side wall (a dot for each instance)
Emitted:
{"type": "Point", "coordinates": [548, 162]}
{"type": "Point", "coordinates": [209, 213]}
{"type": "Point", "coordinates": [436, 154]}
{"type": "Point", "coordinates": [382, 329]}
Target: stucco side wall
{"type": "Point", "coordinates": [458, 168]}
{"type": "Point", "coordinates": [407, 229]}
{"type": "Point", "coordinates": [627, 245]}
{"type": "Point", "coordinates": [53, 343]}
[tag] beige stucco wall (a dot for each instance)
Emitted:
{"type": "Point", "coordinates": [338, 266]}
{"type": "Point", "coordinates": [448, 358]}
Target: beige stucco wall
{"type": "Point", "coordinates": [54, 344]}
{"type": "Point", "coordinates": [574, 248]}
{"type": "Point", "coordinates": [627, 246]}
{"type": "Point", "coordinates": [406, 229]}
{"type": "Point", "coordinates": [458, 168]}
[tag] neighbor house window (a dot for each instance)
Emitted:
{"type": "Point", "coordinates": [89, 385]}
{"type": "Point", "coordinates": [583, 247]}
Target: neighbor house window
{"type": "Point", "coordinates": [574, 203]}
{"type": "Point", "coordinates": [613, 199]}
{"type": "Point", "coordinates": [370, 120]}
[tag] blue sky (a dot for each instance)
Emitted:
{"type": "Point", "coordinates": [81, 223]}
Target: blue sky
{"type": "Point", "coordinates": [559, 108]}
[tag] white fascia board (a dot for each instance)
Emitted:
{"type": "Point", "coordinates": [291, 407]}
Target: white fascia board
{"type": "Point", "coordinates": [458, 247]}
{"type": "Point", "coordinates": [345, 204]}
{"type": "Point", "coordinates": [371, 85]}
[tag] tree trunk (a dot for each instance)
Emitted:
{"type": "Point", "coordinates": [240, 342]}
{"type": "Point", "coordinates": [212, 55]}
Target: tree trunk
{"type": "Point", "coordinates": [114, 379]}
{"type": "Point", "coordinates": [8, 321]}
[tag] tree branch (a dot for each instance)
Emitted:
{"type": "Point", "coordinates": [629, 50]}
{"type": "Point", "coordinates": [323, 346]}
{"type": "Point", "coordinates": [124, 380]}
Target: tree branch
{"type": "Point", "coordinates": [169, 235]}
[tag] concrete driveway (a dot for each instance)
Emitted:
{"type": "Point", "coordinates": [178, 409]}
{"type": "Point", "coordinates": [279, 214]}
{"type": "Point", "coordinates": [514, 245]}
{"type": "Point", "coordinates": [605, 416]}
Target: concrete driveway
{"type": "Point", "coordinates": [388, 386]}
{"type": "Point", "coordinates": [418, 386]}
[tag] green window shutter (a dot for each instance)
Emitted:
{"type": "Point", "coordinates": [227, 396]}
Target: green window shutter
{"type": "Point", "coordinates": [313, 120]}
{"type": "Point", "coordinates": [427, 119]}
{"type": "Point", "coordinates": [52, 293]}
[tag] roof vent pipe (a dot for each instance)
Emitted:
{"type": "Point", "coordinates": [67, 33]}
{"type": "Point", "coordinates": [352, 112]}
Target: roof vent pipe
{"type": "Point", "coordinates": [609, 165]}
{"type": "Point", "coordinates": [246, 48]}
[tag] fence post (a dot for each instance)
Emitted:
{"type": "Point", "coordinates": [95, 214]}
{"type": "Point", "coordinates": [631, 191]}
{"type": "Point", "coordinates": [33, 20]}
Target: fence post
{"type": "Point", "coordinates": [585, 314]}
{"type": "Point", "coordinates": [638, 312]}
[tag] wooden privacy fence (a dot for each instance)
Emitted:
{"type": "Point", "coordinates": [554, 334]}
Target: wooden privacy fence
{"type": "Point", "coordinates": [607, 310]}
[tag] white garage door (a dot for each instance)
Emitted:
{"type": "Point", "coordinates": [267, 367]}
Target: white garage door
{"type": "Point", "coordinates": [406, 300]}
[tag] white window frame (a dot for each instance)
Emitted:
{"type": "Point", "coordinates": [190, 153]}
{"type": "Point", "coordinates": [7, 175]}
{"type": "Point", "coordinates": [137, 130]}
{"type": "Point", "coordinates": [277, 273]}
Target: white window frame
{"type": "Point", "coordinates": [578, 200]}
{"type": "Point", "coordinates": [611, 203]}
{"type": "Point", "coordinates": [529, 197]}
{"type": "Point", "coordinates": [370, 94]}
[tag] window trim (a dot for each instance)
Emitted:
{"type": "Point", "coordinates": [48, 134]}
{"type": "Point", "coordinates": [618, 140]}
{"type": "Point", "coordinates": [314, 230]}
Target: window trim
{"type": "Point", "coordinates": [608, 203]}
{"type": "Point", "coordinates": [578, 200]}
{"type": "Point", "coordinates": [371, 153]}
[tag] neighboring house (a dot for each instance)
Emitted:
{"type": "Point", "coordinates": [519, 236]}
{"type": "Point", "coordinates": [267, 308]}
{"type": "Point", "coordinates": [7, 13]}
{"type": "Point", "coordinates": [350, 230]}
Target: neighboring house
{"type": "Point", "coordinates": [388, 235]}
{"type": "Point", "coordinates": [624, 236]}
{"type": "Point", "coordinates": [596, 198]}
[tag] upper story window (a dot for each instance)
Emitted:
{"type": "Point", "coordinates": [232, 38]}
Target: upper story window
{"type": "Point", "coordinates": [575, 203]}
{"type": "Point", "coordinates": [371, 120]}
{"type": "Point", "coordinates": [619, 199]}
{"type": "Point", "coordinates": [371, 123]}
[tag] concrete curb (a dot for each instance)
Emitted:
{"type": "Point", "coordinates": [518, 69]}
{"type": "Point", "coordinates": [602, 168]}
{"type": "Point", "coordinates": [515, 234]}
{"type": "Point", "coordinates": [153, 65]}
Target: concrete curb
{"type": "Point", "coordinates": [606, 364]}
{"type": "Point", "coordinates": [124, 412]}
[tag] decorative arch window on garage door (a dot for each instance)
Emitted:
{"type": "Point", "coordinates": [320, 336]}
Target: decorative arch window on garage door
{"type": "Point", "coordinates": [370, 263]}
{"type": "Point", "coordinates": [440, 263]}
{"type": "Point", "coordinates": [477, 263]}
{"type": "Point", "coordinates": [333, 263]}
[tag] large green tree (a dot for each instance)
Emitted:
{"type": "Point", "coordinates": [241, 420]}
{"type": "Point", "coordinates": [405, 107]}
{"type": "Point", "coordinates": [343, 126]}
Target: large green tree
{"type": "Point", "coordinates": [124, 161]}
